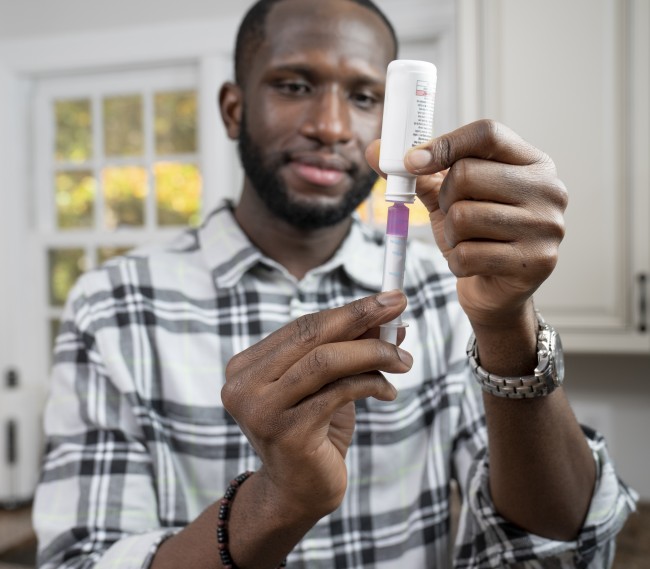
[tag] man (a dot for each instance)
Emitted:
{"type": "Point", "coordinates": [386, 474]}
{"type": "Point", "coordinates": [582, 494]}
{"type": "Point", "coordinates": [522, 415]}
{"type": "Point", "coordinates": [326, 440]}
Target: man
{"type": "Point", "coordinates": [251, 344]}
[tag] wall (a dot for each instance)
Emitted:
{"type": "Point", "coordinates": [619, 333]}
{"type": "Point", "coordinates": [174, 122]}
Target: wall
{"type": "Point", "coordinates": [27, 18]}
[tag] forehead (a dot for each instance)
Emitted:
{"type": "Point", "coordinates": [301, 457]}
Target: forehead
{"type": "Point", "coordinates": [329, 31]}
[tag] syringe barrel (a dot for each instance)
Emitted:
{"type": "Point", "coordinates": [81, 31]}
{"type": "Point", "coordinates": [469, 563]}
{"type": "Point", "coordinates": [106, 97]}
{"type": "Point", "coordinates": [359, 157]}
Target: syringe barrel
{"type": "Point", "coordinates": [394, 262]}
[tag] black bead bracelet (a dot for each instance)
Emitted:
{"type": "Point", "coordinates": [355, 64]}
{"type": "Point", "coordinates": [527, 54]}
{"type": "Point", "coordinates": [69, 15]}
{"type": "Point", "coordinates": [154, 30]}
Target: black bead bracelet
{"type": "Point", "coordinates": [222, 521]}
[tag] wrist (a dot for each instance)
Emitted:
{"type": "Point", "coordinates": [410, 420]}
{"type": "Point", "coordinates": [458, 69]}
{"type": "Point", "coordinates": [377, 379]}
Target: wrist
{"type": "Point", "coordinates": [295, 503]}
{"type": "Point", "coordinates": [507, 343]}
{"type": "Point", "coordinates": [263, 524]}
{"type": "Point", "coordinates": [547, 375]}
{"type": "Point", "coordinates": [504, 321]}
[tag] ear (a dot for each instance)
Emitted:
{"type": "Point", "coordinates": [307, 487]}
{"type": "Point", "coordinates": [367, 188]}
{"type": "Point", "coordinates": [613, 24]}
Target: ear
{"type": "Point", "coordinates": [231, 104]}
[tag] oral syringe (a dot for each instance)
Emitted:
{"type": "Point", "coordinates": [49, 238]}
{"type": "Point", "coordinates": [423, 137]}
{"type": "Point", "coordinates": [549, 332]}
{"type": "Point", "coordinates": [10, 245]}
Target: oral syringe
{"type": "Point", "coordinates": [407, 122]}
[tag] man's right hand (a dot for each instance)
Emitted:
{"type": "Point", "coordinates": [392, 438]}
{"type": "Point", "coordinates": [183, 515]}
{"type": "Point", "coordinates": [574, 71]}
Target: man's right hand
{"type": "Point", "coordinates": [293, 395]}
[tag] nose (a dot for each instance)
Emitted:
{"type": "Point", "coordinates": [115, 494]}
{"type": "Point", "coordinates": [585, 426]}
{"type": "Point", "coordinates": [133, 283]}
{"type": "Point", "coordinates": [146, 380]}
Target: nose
{"type": "Point", "coordinates": [328, 118]}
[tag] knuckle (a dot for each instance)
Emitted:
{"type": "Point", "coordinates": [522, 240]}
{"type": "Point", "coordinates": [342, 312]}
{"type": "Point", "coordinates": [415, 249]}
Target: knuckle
{"type": "Point", "coordinates": [460, 174]}
{"type": "Point", "coordinates": [557, 226]}
{"type": "Point", "coordinates": [458, 215]}
{"type": "Point", "coordinates": [318, 360]}
{"type": "Point", "coordinates": [560, 194]}
{"type": "Point", "coordinates": [308, 329]}
{"type": "Point", "coordinates": [547, 261]}
{"type": "Point", "coordinates": [489, 131]}
{"type": "Point", "coordinates": [454, 221]}
{"type": "Point", "coordinates": [383, 352]}
{"type": "Point", "coordinates": [233, 366]}
{"type": "Point", "coordinates": [459, 260]}
{"type": "Point", "coordinates": [442, 151]}
{"type": "Point", "coordinates": [362, 310]}
{"type": "Point", "coordinates": [229, 397]}
{"type": "Point", "coordinates": [550, 224]}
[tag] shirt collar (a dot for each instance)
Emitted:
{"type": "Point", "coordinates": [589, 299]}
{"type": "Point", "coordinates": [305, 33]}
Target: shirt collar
{"type": "Point", "coordinates": [229, 254]}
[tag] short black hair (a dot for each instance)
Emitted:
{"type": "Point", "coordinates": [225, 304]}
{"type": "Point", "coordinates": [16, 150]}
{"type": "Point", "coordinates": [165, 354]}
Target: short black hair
{"type": "Point", "coordinates": [251, 32]}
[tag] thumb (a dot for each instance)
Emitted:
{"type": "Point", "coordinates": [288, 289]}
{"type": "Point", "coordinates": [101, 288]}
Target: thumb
{"type": "Point", "coordinates": [428, 190]}
{"type": "Point", "coordinates": [372, 157]}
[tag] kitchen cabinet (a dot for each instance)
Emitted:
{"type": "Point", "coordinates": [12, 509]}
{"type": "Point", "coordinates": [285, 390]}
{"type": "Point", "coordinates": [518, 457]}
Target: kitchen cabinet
{"type": "Point", "coordinates": [572, 78]}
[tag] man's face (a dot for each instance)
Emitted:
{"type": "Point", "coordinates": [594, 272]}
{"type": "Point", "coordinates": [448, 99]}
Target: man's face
{"type": "Point", "coordinates": [313, 101]}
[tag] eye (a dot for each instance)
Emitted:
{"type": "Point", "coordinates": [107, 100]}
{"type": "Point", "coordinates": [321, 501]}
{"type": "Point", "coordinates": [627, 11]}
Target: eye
{"type": "Point", "coordinates": [365, 100]}
{"type": "Point", "coordinates": [293, 88]}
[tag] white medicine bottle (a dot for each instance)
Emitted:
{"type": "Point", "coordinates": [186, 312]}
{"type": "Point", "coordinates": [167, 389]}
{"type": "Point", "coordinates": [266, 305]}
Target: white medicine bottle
{"type": "Point", "coordinates": [407, 122]}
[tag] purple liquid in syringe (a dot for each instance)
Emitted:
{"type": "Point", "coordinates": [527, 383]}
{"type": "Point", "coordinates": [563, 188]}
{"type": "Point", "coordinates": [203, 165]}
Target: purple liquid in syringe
{"type": "Point", "coordinates": [398, 220]}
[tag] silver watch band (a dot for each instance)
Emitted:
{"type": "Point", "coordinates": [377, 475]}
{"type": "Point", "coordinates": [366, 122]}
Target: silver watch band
{"type": "Point", "coordinates": [521, 387]}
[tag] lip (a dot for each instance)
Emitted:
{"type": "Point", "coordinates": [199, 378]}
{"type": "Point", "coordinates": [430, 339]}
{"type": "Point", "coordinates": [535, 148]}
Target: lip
{"type": "Point", "coordinates": [325, 170]}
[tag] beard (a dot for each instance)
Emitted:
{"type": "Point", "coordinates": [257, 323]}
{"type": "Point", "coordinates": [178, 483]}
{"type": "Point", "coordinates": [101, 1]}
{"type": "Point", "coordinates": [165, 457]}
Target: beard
{"type": "Point", "coordinates": [273, 191]}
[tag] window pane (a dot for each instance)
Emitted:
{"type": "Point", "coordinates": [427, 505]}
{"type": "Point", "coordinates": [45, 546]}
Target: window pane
{"type": "Point", "coordinates": [74, 141]}
{"type": "Point", "coordinates": [65, 267]}
{"type": "Point", "coordinates": [175, 122]}
{"type": "Point", "coordinates": [123, 126]}
{"type": "Point", "coordinates": [75, 199]}
{"type": "Point", "coordinates": [178, 193]}
{"type": "Point", "coordinates": [106, 253]}
{"type": "Point", "coordinates": [125, 189]}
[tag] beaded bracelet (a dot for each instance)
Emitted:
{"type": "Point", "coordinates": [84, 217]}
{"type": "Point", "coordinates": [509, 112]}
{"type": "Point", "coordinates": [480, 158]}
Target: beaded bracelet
{"type": "Point", "coordinates": [222, 522]}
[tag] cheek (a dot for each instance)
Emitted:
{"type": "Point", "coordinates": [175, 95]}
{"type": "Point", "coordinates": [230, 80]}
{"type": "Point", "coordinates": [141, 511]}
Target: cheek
{"type": "Point", "coordinates": [367, 126]}
{"type": "Point", "coordinates": [277, 125]}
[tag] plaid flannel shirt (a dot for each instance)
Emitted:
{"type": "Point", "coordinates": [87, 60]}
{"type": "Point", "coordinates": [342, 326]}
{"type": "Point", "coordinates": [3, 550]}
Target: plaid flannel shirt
{"type": "Point", "coordinates": [139, 442]}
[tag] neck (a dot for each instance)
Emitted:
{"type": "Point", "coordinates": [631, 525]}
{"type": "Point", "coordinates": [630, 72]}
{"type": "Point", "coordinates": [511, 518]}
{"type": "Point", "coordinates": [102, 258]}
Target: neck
{"type": "Point", "coordinates": [298, 250]}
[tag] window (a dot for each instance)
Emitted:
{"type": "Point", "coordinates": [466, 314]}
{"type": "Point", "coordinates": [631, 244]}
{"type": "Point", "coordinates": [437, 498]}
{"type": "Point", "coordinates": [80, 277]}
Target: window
{"type": "Point", "coordinates": [118, 165]}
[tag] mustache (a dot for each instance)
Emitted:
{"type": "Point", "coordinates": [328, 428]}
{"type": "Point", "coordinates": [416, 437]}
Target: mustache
{"type": "Point", "coordinates": [320, 157]}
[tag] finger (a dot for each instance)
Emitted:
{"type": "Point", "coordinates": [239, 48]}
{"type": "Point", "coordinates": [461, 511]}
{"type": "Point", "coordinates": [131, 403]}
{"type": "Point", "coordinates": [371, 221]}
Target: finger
{"type": "Point", "coordinates": [476, 179]}
{"type": "Point", "coordinates": [328, 363]}
{"type": "Point", "coordinates": [469, 220]}
{"type": "Point", "coordinates": [491, 258]}
{"type": "Point", "coordinates": [372, 157]}
{"type": "Point", "coordinates": [320, 407]}
{"type": "Point", "coordinates": [481, 139]}
{"type": "Point", "coordinates": [272, 356]}
{"type": "Point", "coordinates": [428, 189]}
{"type": "Point", "coordinates": [427, 186]}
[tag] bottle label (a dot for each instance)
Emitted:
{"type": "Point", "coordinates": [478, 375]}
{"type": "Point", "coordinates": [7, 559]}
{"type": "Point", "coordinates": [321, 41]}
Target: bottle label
{"type": "Point", "coordinates": [420, 120]}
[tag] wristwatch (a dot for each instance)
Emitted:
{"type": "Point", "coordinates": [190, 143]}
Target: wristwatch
{"type": "Point", "coordinates": [548, 374]}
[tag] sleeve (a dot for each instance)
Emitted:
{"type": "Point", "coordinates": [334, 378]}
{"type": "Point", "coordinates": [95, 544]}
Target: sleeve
{"type": "Point", "coordinates": [95, 505]}
{"type": "Point", "coordinates": [486, 540]}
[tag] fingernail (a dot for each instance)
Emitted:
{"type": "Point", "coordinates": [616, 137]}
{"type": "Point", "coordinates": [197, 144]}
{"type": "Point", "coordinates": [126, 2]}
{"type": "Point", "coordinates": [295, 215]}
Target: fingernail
{"type": "Point", "coordinates": [390, 298]}
{"type": "Point", "coordinates": [419, 158]}
{"type": "Point", "coordinates": [405, 357]}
